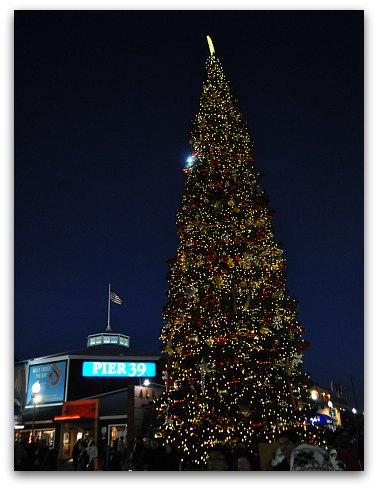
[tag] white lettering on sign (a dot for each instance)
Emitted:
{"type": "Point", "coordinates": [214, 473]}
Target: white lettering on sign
{"type": "Point", "coordinates": [96, 367]}
{"type": "Point", "coordinates": [121, 369]}
{"type": "Point", "coordinates": [111, 368]}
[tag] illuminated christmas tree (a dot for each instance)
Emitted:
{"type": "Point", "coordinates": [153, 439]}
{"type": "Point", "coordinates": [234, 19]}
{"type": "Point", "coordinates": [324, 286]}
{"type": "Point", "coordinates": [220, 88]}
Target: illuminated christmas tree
{"type": "Point", "coordinates": [231, 340]}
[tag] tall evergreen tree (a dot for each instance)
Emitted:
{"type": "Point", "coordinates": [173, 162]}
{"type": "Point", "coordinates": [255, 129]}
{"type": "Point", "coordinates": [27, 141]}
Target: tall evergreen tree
{"type": "Point", "coordinates": [231, 339]}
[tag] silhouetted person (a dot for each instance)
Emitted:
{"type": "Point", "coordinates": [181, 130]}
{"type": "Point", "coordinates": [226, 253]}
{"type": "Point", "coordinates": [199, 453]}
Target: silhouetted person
{"type": "Point", "coordinates": [115, 460]}
{"type": "Point", "coordinates": [219, 458]}
{"type": "Point", "coordinates": [288, 441]}
{"type": "Point", "coordinates": [51, 462]}
{"type": "Point", "coordinates": [76, 454]}
{"type": "Point", "coordinates": [154, 457]}
{"type": "Point", "coordinates": [171, 459]}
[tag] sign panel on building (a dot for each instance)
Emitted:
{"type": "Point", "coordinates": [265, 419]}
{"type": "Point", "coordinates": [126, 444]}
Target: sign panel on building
{"type": "Point", "coordinates": [119, 369]}
{"type": "Point", "coordinates": [51, 378]}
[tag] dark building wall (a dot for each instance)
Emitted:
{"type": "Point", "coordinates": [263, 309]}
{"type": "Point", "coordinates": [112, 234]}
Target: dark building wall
{"type": "Point", "coordinates": [80, 387]}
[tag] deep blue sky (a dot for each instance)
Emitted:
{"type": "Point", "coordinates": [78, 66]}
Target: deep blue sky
{"type": "Point", "coordinates": [103, 107]}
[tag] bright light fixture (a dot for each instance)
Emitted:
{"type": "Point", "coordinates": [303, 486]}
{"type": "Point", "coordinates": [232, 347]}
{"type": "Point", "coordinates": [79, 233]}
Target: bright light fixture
{"type": "Point", "coordinates": [36, 387]}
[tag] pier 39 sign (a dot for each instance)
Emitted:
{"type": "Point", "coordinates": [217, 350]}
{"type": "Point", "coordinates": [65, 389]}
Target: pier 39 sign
{"type": "Point", "coordinates": [119, 369]}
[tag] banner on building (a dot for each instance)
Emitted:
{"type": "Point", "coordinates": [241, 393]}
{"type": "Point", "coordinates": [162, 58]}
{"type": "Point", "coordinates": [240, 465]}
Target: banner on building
{"type": "Point", "coordinates": [51, 378]}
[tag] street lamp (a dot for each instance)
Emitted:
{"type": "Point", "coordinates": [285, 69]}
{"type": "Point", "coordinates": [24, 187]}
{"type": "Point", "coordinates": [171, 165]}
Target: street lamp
{"type": "Point", "coordinates": [36, 387]}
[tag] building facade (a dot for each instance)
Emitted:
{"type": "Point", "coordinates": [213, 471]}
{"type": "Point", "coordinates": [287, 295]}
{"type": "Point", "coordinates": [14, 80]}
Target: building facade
{"type": "Point", "coordinates": [331, 407]}
{"type": "Point", "coordinates": [102, 392]}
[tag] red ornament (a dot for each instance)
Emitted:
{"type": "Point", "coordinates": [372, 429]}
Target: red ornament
{"type": "Point", "coordinates": [211, 256]}
{"type": "Point", "coordinates": [267, 291]}
{"type": "Point", "coordinates": [221, 340]}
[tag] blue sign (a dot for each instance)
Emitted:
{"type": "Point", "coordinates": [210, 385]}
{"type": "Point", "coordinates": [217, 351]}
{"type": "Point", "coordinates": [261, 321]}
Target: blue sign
{"type": "Point", "coordinates": [119, 369]}
{"type": "Point", "coordinates": [321, 419]}
{"type": "Point", "coordinates": [52, 380]}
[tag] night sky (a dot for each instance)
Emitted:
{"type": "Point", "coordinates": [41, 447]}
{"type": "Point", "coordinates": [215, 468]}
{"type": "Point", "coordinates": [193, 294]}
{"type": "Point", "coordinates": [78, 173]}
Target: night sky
{"type": "Point", "coordinates": [103, 107]}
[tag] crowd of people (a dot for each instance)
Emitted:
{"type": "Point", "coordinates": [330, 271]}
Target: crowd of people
{"type": "Point", "coordinates": [343, 452]}
{"type": "Point", "coordinates": [85, 455]}
{"type": "Point", "coordinates": [143, 454]}
{"type": "Point", "coordinates": [34, 455]}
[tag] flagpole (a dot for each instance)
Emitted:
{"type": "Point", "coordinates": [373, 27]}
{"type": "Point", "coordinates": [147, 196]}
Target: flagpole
{"type": "Point", "coordinates": [354, 392]}
{"type": "Point", "coordinates": [108, 328]}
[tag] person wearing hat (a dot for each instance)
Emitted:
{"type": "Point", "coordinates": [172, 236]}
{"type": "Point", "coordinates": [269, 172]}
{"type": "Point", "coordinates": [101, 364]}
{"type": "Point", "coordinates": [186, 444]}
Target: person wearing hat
{"type": "Point", "coordinates": [288, 440]}
{"type": "Point", "coordinates": [308, 457]}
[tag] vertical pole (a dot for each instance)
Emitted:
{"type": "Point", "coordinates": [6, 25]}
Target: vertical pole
{"type": "Point", "coordinates": [33, 421]}
{"type": "Point", "coordinates": [108, 328]}
{"type": "Point", "coordinates": [354, 392]}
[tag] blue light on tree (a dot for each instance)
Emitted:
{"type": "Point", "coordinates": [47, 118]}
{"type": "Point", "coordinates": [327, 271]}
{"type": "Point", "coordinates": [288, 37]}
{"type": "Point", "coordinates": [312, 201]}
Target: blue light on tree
{"type": "Point", "coordinates": [190, 162]}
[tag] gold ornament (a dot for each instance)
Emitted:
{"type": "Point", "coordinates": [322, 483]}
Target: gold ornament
{"type": "Point", "coordinates": [244, 409]}
{"type": "Point", "coordinates": [246, 304]}
{"type": "Point", "coordinates": [191, 291]}
{"type": "Point", "coordinates": [218, 281]}
{"type": "Point", "coordinates": [264, 330]}
{"type": "Point", "coordinates": [193, 339]}
{"type": "Point", "coordinates": [218, 206]}
{"type": "Point", "coordinates": [243, 330]}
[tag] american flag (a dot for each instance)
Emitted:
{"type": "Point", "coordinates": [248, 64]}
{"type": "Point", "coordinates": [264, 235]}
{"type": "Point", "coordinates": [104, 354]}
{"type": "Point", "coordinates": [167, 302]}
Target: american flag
{"type": "Point", "coordinates": [115, 297]}
{"type": "Point", "coordinates": [339, 390]}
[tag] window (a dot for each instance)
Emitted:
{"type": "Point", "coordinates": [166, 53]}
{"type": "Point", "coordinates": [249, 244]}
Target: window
{"type": "Point", "coordinates": [123, 341]}
{"type": "Point", "coordinates": [116, 431]}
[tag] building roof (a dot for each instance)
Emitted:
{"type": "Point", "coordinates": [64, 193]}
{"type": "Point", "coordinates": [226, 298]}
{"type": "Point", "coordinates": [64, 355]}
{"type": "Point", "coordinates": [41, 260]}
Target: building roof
{"type": "Point", "coordinates": [109, 351]}
{"type": "Point", "coordinates": [104, 351]}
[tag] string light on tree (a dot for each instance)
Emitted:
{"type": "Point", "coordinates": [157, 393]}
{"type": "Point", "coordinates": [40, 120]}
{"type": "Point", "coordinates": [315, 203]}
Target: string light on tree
{"type": "Point", "coordinates": [231, 338]}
